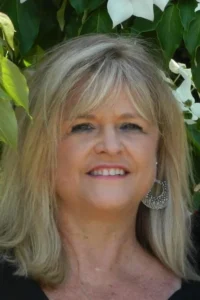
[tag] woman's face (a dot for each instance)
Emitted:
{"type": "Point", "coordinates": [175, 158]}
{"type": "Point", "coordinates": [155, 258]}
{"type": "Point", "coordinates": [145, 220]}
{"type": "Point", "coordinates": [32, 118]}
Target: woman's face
{"type": "Point", "coordinates": [106, 160]}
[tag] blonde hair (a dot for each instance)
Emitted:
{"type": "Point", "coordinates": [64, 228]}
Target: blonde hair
{"type": "Point", "coordinates": [91, 69]}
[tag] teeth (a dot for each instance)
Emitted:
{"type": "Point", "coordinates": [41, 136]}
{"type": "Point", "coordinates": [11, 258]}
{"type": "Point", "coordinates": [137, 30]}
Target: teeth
{"type": "Point", "coordinates": [121, 172]}
{"type": "Point", "coordinates": [108, 172]}
{"type": "Point", "coordinates": [105, 172]}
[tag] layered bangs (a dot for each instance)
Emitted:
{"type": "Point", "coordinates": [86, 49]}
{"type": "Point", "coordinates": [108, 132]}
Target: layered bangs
{"type": "Point", "coordinates": [104, 83]}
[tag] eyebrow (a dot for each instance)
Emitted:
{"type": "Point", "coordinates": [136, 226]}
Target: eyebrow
{"type": "Point", "coordinates": [122, 116]}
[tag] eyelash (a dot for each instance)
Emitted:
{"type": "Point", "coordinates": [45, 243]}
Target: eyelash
{"type": "Point", "coordinates": [89, 127]}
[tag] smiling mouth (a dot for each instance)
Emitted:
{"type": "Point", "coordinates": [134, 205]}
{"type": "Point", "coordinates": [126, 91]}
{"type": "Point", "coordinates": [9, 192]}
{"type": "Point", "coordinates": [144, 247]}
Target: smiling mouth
{"type": "Point", "coordinates": [108, 172]}
{"type": "Point", "coordinates": [110, 175]}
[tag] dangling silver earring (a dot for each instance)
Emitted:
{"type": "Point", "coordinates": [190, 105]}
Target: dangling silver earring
{"type": "Point", "coordinates": [160, 201]}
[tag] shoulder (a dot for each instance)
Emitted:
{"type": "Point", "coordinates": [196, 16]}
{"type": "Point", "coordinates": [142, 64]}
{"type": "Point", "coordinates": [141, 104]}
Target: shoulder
{"type": "Point", "coordinates": [15, 287]}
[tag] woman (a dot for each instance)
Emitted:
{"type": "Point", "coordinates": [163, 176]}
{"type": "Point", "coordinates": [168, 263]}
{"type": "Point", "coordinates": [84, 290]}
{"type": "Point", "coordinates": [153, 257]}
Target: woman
{"type": "Point", "coordinates": [95, 205]}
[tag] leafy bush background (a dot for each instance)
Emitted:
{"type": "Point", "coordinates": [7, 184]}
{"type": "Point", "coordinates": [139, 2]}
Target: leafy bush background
{"type": "Point", "coordinates": [42, 24]}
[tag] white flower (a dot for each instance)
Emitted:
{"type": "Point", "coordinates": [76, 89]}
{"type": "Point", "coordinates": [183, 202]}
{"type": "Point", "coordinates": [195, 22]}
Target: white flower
{"type": "Point", "coordinates": [186, 101]}
{"type": "Point", "coordinates": [179, 68]}
{"type": "Point", "coordinates": [195, 108]}
{"type": "Point", "coordinates": [22, 1]}
{"type": "Point", "coordinates": [175, 67]}
{"type": "Point", "coordinates": [190, 121]}
{"type": "Point", "coordinates": [121, 10]}
{"type": "Point", "coordinates": [198, 6]}
{"type": "Point", "coordinates": [197, 188]}
{"type": "Point", "coordinates": [183, 92]}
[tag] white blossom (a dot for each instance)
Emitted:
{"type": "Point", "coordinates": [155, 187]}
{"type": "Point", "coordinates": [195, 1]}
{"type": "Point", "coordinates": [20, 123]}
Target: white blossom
{"type": "Point", "coordinates": [22, 1]}
{"type": "Point", "coordinates": [183, 93]}
{"type": "Point", "coordinates": [174, 66]}
{"type": "Point", "coordinates": [179, 68]}
{"type": "Point", "coordinates": [121, 10]}
{"type": "Point", "coordinates": [195, 108]}
{"type": "Point", "coordinates": [198, 6]}
{"type": "Point", "coordinates": [186, 101]}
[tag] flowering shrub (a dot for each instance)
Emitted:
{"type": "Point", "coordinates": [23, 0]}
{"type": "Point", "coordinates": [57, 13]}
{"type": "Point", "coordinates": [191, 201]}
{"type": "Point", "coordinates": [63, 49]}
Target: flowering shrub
{"type": "Point", "coordinates": [29, 27]}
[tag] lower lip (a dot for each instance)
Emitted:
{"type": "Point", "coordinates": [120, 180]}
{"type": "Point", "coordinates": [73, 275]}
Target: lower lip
{"type": "Point", "coordinates": [108, 177]}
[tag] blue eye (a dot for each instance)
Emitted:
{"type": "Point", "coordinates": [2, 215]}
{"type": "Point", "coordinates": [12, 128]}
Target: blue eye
{"type": "Point", "coordinates": [131, 126]}
{"type": "Point", "coordinates": [82, 127]}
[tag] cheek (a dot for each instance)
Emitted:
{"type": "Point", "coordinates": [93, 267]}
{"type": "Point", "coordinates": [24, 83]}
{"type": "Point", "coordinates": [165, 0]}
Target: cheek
{"type": "Point", "coordinates": [144, 150]}
{"type": "Point", "coordinates": [64, 162]}
{"type": "Point", "coordinates": [65, 169]}
{"type": "Point", "coordinates": [70, 159]}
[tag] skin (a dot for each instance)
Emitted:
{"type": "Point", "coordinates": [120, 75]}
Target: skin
{"type": "Point", "coordinates": [97, 215]}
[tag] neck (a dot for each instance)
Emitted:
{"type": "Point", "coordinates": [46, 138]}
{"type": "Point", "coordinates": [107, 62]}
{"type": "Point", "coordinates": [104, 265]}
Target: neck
{"type": "Point", "coordinates": [99, 247]}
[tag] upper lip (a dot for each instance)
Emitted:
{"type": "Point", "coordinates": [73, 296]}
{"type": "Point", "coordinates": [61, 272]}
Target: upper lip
{"type": "Point", "coordinates": [106, 166]}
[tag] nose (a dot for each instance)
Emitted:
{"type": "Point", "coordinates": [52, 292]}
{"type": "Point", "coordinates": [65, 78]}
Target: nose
{"type": "Point", "coordinates": [109, 141]}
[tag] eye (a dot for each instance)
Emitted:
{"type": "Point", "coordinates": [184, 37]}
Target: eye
{"type": "Point", "coordinates": [131, 126]}
{"type": "Point", "coordinates": [82, 127]}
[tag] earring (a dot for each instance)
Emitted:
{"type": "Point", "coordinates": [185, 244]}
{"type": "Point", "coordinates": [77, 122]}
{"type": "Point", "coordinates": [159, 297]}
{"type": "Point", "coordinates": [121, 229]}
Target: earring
{"type": "Point", "coordinates": [160, 201]}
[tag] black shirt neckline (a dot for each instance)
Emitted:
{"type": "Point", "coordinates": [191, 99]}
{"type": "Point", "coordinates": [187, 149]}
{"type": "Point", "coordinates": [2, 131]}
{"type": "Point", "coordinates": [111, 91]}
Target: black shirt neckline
{"type": "Point", "coordinates": [184, 285]}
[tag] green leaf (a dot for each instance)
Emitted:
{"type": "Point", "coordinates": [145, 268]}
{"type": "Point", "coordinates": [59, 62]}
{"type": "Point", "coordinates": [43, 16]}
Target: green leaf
{"type": "Point", "coordinates": [94, 4]}
{"type": "Point", "coordinates": [25, 18]}
{"type": "Point", "coordinates": [196, 163]}
{"type": "Point", "coordinates": [8, 124]}
{"type": "Point", "coordinates": [194, 135]}
{"type": "Point", "coordinates": [28, 24]}
{"type": "Point", "coordinates": [1, 47]}
{"type": "Point", "coordinates": [14, 83]}
{"type": "Point", "coordinates": [192, 36]}
{"type": "Point", "coordinates": [79, 5]}
{"type": "Point", "coordinates": [8, 29]}
{"type": "Point", "coordinates": [97, 22]}
{"type": "Point", "coordinates": [170, 30]}
{"type": "Point", "coordinates": [34, 56]}
{"type": "Point", "coordinates": [187, 13]}
{"type": "Point", "coordinates": [4, 96]}
{"type": "Point", "coordinates": [61, 15]}
{"type": "Point", "coordinates": [196, 69]}
{"type": "Point", "coordinates": [143, 25]}
{"type": "Point", "coordinates": [73, 25]}
{"type": "Point", "coordinates": [196, 201]}
{"type": "Point", "coordinates": [57, 3]}
{"type": "Point", "coordinates": [89, 5]}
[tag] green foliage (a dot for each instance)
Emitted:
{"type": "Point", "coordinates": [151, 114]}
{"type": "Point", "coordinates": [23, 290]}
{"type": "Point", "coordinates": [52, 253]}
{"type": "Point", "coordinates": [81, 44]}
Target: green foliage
{"type": "Point", "coordinates": [61, 15]}
{"type": "Point", "coordinates": [187, 12]}
{"type": "Point", "coordinates": [7, 29]}
{"type": "Point", "coordinates": [170, 29]}
{"type": "Point", "coordinates": [39, 25]}
{"type": "Point", "coordinates": [194, 136]}
{"type": "Point", "coordinates": [98, 22]}
{"type": "Point", "coordinates": [82, 5]}
{"type": "Point", "coordinates": [14, 83]}
{"type": "Point", "coordinates": [13, 87]}
{"type": "Point", "coordinates": [192, 35]}
{"type": "Point", "coordinates": [196, 68]}
{"type": "Point", "coordinates": [26, 20]}
{"type": "Point", "coordinates": [142, 25]}
{"type": "Point", "coordinates": [8, 123]}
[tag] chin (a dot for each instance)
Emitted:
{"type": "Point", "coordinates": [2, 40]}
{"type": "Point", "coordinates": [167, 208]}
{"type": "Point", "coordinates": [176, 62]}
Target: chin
{"type": "Point", "coordinates": [109, 203]}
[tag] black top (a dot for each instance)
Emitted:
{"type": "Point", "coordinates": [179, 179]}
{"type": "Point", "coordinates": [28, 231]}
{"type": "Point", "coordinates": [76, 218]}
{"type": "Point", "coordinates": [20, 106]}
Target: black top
{"type": "Point", "coordinates": [20, 288]}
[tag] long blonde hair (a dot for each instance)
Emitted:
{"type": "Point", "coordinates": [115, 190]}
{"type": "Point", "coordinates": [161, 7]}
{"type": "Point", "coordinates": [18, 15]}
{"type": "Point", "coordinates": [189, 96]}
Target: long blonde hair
{"type": "Point", "coordinates": [93, 68]}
